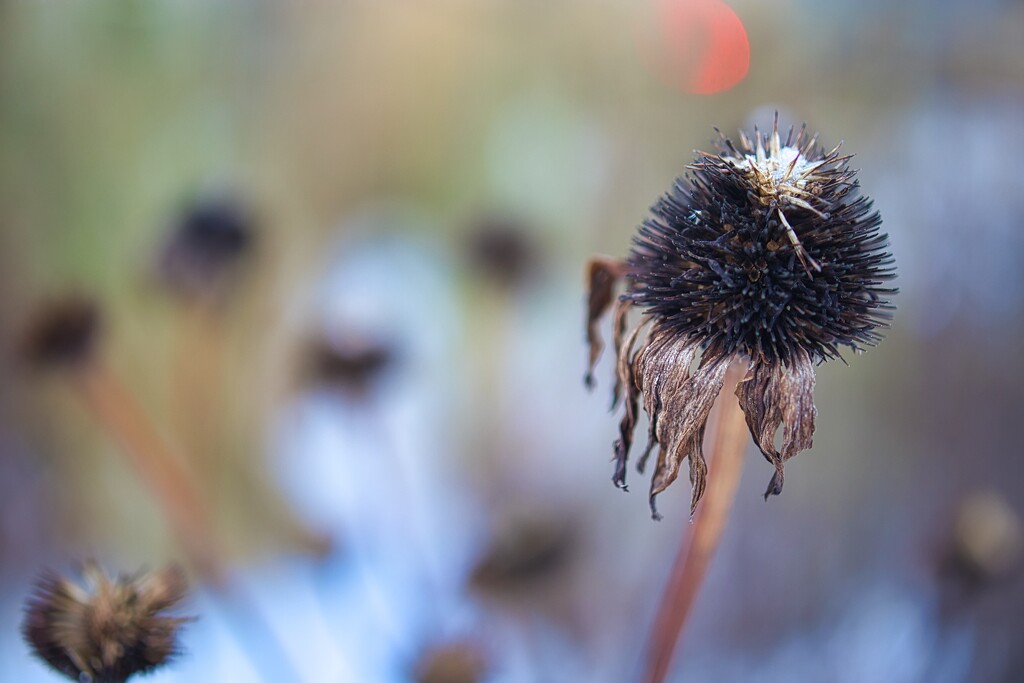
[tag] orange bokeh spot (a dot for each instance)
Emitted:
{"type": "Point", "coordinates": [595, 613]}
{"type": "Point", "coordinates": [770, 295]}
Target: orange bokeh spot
{"type": "Point", "coordinates": [703, 46]}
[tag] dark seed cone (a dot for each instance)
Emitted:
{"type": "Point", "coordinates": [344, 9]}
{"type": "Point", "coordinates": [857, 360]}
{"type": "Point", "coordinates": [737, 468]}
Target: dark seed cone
{"type": "Point", "coordinates": [61, 333]}
{"type": "Point", "coordinates": [208, 243]}
{"type": "Point", "coordinates": [527, 551]}
{"type": "Point", "coordinates": [455, 662]}
{"type": "Point", "coordinates": [108, 631]}
{"type": "Point", "coordinates": [765, 254]}
{"type": "Point", "coordinates": [501, 250]}
{"type": "Point", "coordinates": [354, 364]}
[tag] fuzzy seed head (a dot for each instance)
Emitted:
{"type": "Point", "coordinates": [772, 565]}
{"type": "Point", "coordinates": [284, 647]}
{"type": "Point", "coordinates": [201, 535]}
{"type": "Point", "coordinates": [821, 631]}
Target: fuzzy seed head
{"type": "Point", "coordinates": [766, 248]}
{"type": "Point", "coordinates": [109, 629]}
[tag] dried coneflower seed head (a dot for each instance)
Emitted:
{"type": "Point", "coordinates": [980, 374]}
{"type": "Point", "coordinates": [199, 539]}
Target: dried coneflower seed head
{"type": "Point", "coordinates": [455, 662]}
{"type": "Point", "coordinates": [500, 249]}
{"type": "Point", "coordinates": [206, 245]}
{"type": "Point", "coordinates": [987, 541]}
{"type": "Point", "coordinates": [525, 551]}
{"type": "Point", "coordinates": [765, 254]}
{"type": "Point", "coordinates": [353, 364]}
{"type": "Point", "coordinates": [61, 333]}
{"type": "Point", "coordinates": [108, 629]}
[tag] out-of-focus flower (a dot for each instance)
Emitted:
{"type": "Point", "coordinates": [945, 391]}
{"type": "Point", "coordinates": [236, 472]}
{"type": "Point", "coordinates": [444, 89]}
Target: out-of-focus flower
{"type": "Point", "coordinates": [108, 630]}
{"type": "Point", "coordinates": [987, 543]}
{"type": "Point", "coordinates": [353, 364]}
{"type": "Point", "coordinates": [61, 333]}
{"type": "Point", "coordinates": [526, 549]}
{"type": "Point", "coordinates": [206, 245]}
{"type": "Point", "coordinates": [765, 255]}
{"type": "Point", "coordinates": [500, 248]}
{"type": "Point", "coordinates": [455, 662]}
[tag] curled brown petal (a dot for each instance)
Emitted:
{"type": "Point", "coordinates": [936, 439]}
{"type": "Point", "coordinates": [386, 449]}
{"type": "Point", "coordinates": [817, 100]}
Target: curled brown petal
{"type": "Point", "coordinates": [623, 346]}
{"type": "Point", "coordinates": [774, 394]}
{"type": "Point", "coordinates": [681, 403]}
{"type": "Point", "coordinates": [602, 276]}
{"type": "Point", "coordinates": [624, 378]}
{"type": "Point", "coordinates": [651, 376]}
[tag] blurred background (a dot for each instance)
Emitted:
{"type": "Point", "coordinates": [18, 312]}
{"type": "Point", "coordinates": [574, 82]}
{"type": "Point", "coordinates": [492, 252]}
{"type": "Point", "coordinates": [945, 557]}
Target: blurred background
{"type": "Point", "coordinates": [337, 252]}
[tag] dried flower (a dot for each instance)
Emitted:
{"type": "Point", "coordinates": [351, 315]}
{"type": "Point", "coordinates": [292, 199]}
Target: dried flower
{"type": "Point", "coordinates": [501, 249]}
{"type": "Point", "coordinates": [526, 550]}
{"type": "Point", "coordinates": [765, 255]}
{"type": "Point", "coordinates": [205, 247]}
{"type": "Point", "coordinates": [353, 363]}
{"type": "Point", "coordinates": [454, 662]}
{"type": "Point", "coordinates": [108, 630]}
{"type": "Point", "coordinates": [987, 541]}
{"type": "Point", "coordinates": [61, 333]}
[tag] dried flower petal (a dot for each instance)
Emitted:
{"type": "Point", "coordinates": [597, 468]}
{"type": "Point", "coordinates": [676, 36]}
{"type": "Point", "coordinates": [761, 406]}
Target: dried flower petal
{"type": "Point", "coordinates": [774, 394]}
{"type": "Point", "coordinates": [684, 402]}
{"type": "Point", "coordinates": [603, 275]}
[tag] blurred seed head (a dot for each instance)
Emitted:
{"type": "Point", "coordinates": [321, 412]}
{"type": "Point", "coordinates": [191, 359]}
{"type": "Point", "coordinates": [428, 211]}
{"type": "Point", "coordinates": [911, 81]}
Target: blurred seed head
{"type": "Point", "coordinates": [208, 243]}
{"type": "Point", "coordinates": [502, 250]}
{"type": "Point", "coordinates": [61, 333]}
{"type": "Point", "coordinates": [353, 364]}
{"type": "Point", "coordinates": [987, 544]}
{"type": "Point", "coordinates": [765, 255]}
{"type": "Point", "coordinates": [526, 550]}
{"type": "Point", "coordinates": [455, 662]}
{"type": "Point", "coordinates": [106, 630]}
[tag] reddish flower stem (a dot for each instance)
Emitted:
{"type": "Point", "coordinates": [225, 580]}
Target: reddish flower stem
{"type": "Point", "coordinates": [728, 442]}
{"type": "Point", "coordinates": [113, 407]}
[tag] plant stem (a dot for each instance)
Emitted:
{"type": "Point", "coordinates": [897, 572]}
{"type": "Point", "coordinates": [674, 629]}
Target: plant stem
{"type": "Point", "coordinates": [728, 443]}
{"type": "Point", "coordinates": [115, 409]}
{"type": "Point", "coordinates": [112, 405]}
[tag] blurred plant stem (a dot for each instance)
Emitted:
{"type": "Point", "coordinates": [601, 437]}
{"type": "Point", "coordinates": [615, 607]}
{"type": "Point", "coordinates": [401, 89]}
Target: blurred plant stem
{"type": "Point", "coordinates": [197, 377]}
{"type": "Point", "coordinates": [116, 411]}
{"type": "Point", "coordinates": [728, 443]}
{"type": "Point", "coordinates": [114, 408]}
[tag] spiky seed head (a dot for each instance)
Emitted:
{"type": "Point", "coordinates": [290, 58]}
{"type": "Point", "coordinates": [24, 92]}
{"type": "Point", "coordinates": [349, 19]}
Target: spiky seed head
{"type": "Point", "coordinates": [766, 249]}
{"type": "Point", "coordinates": [106, 630]}
{"type": "Point", "coordinates": [764, 255]}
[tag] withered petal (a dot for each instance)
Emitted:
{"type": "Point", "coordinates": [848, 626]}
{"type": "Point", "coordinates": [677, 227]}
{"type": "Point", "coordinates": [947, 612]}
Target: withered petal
{"type": "Point", "coordinates": [623, 347]}
{"type": "Point", "coordinates": [680, 403]}
{"type": "Point", "coordinates": [650, 379]}
{"type": "Point", "coordinates": [774, 394]}
{"type": "Point", "coordinates": [624, 378]}
{"type": "Point", "coordinates": [602, 275]}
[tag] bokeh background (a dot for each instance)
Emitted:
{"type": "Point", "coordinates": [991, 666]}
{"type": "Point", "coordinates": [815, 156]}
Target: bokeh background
{"type": "Point", "coordinates": [382, 400]}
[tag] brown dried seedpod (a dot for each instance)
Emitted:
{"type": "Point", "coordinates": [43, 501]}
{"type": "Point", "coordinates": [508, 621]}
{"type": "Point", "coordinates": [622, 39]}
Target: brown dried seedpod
{"type": "Point", "coordinates": [525, 550]}
{"type": "Point", "coordinates": [353, 364]}
{"type": "Point", "coordinates": [986, 545]}
{"type": "Point", "coordinates": [764, 255]}
{"type": "Point", "coordinates": [454, 662]}
{"type": "Point", "coordinates": [208, 242]}
{"type": "Point", "coordinates": [109, 629]}
{"type": "Point", "coordinates": [61, 333]}
{"type": "Point", "coordinates": [501, 249]}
